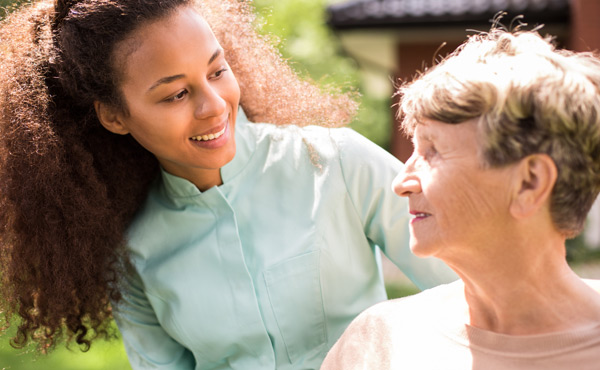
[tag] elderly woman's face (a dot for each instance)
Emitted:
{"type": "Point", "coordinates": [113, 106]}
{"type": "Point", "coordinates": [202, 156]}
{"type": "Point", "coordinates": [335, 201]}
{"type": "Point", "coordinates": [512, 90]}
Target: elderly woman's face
{"type": "Point", "coordinates": [455, 201]}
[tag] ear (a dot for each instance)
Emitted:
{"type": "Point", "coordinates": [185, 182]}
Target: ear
{"type": "Point", "coordinates": [110, 118]}
{"type": "Point", "coordinates": [534, 180]}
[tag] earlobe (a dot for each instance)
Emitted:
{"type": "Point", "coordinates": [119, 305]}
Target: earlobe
{"type": "Point", "coordinates": [534, 180]}
{"type": "Point", "coordinates": [110, 118]}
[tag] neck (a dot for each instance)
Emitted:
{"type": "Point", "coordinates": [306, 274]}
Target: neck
{"type": "Point", "coordinates": [204, 179]}
{"type": "Point", "coordinates": [524, 286]}
{"type": "Point", "coordinates": [207, 180]}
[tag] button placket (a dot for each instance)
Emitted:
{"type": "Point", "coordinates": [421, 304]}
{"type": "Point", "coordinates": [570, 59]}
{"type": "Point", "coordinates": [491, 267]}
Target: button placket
{"type": "Point", "coordinates": [241, 285]}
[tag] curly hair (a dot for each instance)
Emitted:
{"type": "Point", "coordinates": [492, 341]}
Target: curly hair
{"type": "Point", "coordinates": [528, 97]}
{"type": "Point", "coordinates": [69, 188]}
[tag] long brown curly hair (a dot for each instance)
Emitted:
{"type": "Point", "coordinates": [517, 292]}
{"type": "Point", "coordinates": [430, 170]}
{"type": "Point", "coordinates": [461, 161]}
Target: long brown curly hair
{"type": "Point", "coordinates": [68, 187]}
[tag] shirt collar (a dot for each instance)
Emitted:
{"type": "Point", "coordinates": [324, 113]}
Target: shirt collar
{"type": "Point", "coordinates": [245, 143]}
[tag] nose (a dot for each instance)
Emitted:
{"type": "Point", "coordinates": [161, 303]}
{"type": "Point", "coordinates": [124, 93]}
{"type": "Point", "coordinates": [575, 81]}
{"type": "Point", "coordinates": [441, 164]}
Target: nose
{"type": "Point", "coordinates": [210, 103]}
{"type": "Point", "coordinates": [406, 183]}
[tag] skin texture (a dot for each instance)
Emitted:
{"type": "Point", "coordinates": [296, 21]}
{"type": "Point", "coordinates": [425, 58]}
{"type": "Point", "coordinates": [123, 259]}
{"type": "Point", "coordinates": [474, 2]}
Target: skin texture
{"type": "Point", "coordinates": [454, 199]}
{"type": "Point", "coordinates": [529, 98]}
{"type": "Point", "coordinates": [493, 226]}
{"type": "Point", "coordinates": [177, 86]}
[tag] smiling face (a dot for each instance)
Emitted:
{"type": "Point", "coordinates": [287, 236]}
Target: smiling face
{"type": "Point", "coordinates": [181, 97]}
{"type": "Point", "coordinates": [455, 201]}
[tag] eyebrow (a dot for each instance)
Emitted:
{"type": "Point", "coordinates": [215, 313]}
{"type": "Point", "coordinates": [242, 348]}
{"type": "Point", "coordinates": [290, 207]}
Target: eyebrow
{"type": "Point", "coordinates": [426, 136]}
{"type": "Point", "coordinates": [169, 79]}
{"type": "Point", "coordinates": [165, 80]}
{"type": "Point", "coordinates": [215, 55]}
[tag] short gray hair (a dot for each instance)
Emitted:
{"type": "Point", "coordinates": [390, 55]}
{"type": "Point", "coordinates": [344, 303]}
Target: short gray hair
{"type": "Point", "coordinates": [528, 97]}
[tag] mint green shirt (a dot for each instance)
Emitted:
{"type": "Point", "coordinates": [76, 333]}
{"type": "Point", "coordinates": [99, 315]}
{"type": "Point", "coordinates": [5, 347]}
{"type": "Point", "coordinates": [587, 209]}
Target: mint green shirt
{"type": "Point", "coordinates": [268, 269]}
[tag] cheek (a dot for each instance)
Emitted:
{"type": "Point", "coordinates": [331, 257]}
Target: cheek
{"type": "Point", "coordinates": [232, 90]}
{"type": "Point", "coordinates": [462, 200]}
{"type": "Point", "coordinates": [150, 132]}
{"type": "Point", "coordinates": [476, 202]}
{"type": "Point", "coordinates": [142, 127]}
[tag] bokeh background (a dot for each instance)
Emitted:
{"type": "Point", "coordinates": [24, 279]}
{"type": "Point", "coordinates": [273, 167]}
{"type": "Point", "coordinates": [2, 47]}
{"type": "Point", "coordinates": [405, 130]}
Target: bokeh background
{"type": "Point", "coordinates": [367, 46]}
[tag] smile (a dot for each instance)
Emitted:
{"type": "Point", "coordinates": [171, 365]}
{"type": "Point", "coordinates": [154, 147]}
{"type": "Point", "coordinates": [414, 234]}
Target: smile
{"type": "Point", "coordinates": [209, 137]}
{"type": "Point", "coordinates": [418, 216]}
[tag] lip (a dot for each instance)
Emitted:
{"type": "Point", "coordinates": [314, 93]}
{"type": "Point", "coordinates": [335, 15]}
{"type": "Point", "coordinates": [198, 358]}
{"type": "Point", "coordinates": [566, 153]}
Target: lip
{"type": "Point", "coordinates": [224, 128]}
{"type": "Point", "coordinates": [215, 129]}
{"type": "Point", "coordinates": [418, 216]}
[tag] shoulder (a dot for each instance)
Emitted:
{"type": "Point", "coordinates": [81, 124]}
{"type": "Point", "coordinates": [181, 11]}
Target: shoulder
{"type": "Point", "coordinates": [593, 283]}
{"type": "Point", "coordinates": [357, 148]}
{"type": "Point", "coordinates": [271, 134]}
{"type": "Point", "coordinates": [402, 312]}
{"type": "Point", "coordinates": [374, 339]}
{"type": "Point", "coordinates": [320, 146]}
{"type": "Point", "coordinates": [366, 343]}
{"type": "Point", "coordinates": [362, 160]}
{"type": "Point", "coordinates": [322, 138]}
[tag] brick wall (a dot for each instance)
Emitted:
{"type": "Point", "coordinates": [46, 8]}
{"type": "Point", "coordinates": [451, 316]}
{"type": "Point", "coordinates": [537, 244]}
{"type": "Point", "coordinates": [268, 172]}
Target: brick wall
{"type": "Point", "coordinates": [585, 26]}
{"type": "Point", "coordinates": [412, 58]}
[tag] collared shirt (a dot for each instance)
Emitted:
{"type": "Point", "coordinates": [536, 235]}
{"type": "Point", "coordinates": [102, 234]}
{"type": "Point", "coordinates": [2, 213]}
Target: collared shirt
{"type": "Point", "coordinates": [268, 269]}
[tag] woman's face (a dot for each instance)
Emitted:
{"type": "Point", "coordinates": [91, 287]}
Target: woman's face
{"type": "Point", "coordinates": [181, 96]}
{"type": "Point", "coordinates": [455, 201]}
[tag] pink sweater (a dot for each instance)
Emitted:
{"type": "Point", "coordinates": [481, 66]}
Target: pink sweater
{"type": "Point", "coordinates": [416, 333]}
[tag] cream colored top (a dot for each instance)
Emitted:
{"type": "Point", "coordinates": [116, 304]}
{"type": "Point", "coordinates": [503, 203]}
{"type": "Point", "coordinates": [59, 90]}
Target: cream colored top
{"type": "Point", "coordinates": [419, 333]}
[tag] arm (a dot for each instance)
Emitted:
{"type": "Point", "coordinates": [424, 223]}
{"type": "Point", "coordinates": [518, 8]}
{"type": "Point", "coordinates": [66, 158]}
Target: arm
{"type": "Point", "coordinates": [368, 174]}
{"type": "Point", "coordinates": [147, 345]}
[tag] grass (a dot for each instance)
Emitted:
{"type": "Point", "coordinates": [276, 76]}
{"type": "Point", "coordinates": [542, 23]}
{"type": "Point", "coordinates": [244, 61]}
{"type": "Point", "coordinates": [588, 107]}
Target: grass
{"type": "Point", "coordinates": [104, 355]}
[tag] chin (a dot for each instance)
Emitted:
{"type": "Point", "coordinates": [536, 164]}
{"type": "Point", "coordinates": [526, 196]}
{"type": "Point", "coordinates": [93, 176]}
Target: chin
{"type": "Point", "coordinates": [421, 249]}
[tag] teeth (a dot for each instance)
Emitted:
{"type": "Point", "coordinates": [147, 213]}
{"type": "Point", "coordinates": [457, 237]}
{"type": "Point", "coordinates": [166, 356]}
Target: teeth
{"type": "Point", "coordinates": [421, 214]}
{"type": "Point", "coordinates": [210, 136]}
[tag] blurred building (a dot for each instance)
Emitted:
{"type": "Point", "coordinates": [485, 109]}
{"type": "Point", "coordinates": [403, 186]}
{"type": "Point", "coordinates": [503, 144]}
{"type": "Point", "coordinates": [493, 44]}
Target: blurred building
{"type": "Point", "coordinates": [393, 39]}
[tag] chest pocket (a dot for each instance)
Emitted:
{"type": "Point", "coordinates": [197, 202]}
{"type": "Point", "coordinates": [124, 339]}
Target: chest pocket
{"type": "Point", "coordinates": [294, 288]}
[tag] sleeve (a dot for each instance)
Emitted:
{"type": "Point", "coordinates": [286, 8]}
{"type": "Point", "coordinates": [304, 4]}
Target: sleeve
{"type": "Point", "coordinates": [147, 344]}
{"type": "Point", "coordinates": [368, 172]}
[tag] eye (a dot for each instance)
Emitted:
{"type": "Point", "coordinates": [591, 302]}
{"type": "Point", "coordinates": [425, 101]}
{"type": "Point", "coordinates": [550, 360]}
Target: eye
{"type": "Point", "coordinates": [218, 74]}
{"type": "Point", "coordinates": [430, 151]}
{"type": "Point", "coordinates": [179, 96]}
{"type": "Point", "coordinates": [426, 150]}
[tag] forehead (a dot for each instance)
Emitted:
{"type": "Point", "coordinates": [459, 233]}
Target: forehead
{"type": "Point", "coordinates": [430, 129]}
{"type": "Point", "coordinates": [177, 37]}
{"type": "Point", "coordinates": [182, 21]}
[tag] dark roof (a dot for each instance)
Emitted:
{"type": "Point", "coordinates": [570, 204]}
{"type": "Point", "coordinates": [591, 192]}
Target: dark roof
{"type": "Point", "coordinates": [407, 13]}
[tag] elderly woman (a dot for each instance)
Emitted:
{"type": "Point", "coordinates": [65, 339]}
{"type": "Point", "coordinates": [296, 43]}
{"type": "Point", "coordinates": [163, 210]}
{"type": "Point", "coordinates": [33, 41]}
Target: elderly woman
{"type": "Point", "coordinates": [505, 168]}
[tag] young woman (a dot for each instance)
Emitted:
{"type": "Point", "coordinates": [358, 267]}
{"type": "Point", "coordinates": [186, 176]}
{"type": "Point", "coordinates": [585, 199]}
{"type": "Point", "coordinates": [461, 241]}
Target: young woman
{"type": "Point", "coordinates": [130, 174]}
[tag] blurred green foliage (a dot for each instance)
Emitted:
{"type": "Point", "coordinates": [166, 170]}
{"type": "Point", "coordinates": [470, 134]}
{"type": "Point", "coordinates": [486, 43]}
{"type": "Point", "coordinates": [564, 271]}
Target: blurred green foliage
{"type": "Point", "coordinates": [104, 355]}
{"type": "Point", "coordinates": [299, 28]}
{"type": "Point", "coordinates": [579, 252]}
{"type": "Point", "coordinates": [7, 6]}
{"type": "Point", "coordinates": [314, 51]}
{"type": "Point", "coordinates": [398, 290]}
